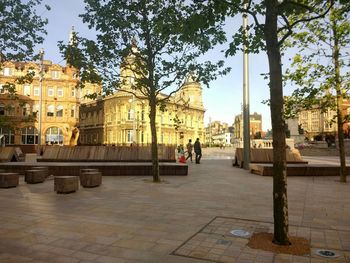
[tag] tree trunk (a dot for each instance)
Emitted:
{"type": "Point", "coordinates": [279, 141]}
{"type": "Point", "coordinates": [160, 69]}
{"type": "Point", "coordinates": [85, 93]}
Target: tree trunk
{"type": "Point", "coordinates": [280, 202]}
{"type": "Point", "coordinates": [339, 102]}
{"type": "Point", "coordinates": [154, 145]}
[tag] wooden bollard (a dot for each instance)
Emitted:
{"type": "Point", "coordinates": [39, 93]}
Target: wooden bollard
{"type": "Point", "coordinates": [90, 179]}
{"type": "Point", "coordinates": [8, 180]}
{"type": "Point", "coordinates": [66, 184]}
{"type": "Point", "coordinates": [86, 170]}
{"type": "Point", "coordinates": [34, 176]}
{"type": "Point", "coordinates": [45, 169]}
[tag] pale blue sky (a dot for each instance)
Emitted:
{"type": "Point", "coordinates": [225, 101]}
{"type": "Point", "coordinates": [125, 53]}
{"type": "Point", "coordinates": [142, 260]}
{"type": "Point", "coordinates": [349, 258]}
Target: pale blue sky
{"type": "Point", "coordinates": [224, 98]}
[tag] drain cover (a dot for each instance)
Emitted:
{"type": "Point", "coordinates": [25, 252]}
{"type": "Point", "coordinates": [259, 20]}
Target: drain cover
{"type": "Point", "coordinates": [326, 253]}
{"type": "Point", "coordinates": [240, 233]}
{"type": "Point", "coordinates": [223, 242]}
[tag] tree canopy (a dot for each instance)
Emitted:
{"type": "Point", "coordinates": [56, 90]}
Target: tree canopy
{"type": "Point", "coordinates": [149, 46]}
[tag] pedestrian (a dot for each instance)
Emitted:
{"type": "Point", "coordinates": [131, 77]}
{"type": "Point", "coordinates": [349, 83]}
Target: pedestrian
{"type": "Point", "coordinates": [189, 147]}
{"type": "Point", "coordinates": [198, 150]}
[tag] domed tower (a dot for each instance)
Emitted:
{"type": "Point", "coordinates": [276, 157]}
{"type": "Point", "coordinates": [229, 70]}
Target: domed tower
{"type": "Point", "coordinates": [191, 92]}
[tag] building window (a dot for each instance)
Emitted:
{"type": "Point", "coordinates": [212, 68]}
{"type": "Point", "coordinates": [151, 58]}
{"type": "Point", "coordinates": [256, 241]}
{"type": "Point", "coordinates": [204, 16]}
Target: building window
{"type": "Point", "coordinates": [54, 135]}
{"type": "Point", "coordinates": [2, 109]}
{"type": "Point", "coordinates": [26, 110]}
{"type": "Point", "coordinates": [50, 111]}
{"type": "Point", "coordinates": [142, 115]}
{"type": "Point", "coordinates": [73, 93]}
{"type": "Point", "coordinates": [36, 91]}
{"type": "Point", "coordinates": [59, 111]}
{"type": "Point", "coordinates": [8, 72]}
{"type": "Point", "coordinates": [26, 90]}
{"type": "Point", "coordinates": [72, 112]}
{"type": "Point", "coordinates": [130, 115]}
{"type": "Point", "coordinates": [55, 74]}
{"type": "Point", "coordinates": [130, 137]}
{"type": "Point", "coordinates": [29, 135]}
{"type": "Point", "coordinates": [10, 110]}
{"type": "Point", "coordinates": [50, 92]}
{"type": "Point", "coordinates": [8, 134]}
{"type": "Point", "coordinates": [60, 92]}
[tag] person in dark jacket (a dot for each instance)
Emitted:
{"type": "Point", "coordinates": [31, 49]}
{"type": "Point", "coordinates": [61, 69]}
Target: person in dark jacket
{"type": "Point", "coordinates": [198, 150]}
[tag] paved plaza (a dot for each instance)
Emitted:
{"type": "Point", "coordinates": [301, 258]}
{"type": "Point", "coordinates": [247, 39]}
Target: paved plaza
{"type": "Point", "coordinates": [184, 219]}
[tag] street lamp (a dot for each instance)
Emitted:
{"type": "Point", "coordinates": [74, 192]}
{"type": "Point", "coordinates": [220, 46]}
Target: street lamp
{"type": "Point", "coordinates": [41, 76]}
{"type": "Point", "coordinates": [246, 119]}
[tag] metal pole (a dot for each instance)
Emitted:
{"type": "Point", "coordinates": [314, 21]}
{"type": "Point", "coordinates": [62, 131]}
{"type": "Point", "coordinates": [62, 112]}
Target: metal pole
{"type": "Point", "coordinates": [246, 119]}
{"type": "Point", "coordinates": [41, 76]}
{"type": "Point", "coordinates": [134, 135]}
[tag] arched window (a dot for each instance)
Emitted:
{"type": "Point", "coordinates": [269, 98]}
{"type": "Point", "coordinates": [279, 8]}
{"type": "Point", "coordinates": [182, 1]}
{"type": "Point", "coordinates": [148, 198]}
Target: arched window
{"type": "Point", "coordinates": [50, 110]}
{"type": "Point", "coordinates": [54, 135]}
{"type": "Point", "coordinates": [26, 109]}
{"type": "Point", "coordinates": [29, 135]}
{"type": "Point", "coordinates": [59, 111]}
{"type": "Point", "coordinates": [9, 135]}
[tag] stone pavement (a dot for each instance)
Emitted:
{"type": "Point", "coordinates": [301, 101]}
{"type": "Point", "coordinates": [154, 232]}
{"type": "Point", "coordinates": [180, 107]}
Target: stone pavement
{"type": "Point", "coordinates": [184, 219]}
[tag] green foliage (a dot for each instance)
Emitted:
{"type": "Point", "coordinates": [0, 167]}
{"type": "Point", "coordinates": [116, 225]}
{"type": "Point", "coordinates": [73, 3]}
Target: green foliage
{"type": "Point", "coordinates": [21, 29]}
{"type": "Point", "coordinates": [163, 32]}
{"type": "Point", "coordinates": [313, 69]}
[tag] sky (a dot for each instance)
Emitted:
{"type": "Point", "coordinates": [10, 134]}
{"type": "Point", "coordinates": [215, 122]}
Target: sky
{"type": "Point", "coordinates": [222, 101]}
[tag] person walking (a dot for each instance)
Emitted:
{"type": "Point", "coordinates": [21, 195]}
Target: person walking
{"type": "Point", "coordinates": [189, 147]}
{"type": "Point", "coordinates": [198, 150]}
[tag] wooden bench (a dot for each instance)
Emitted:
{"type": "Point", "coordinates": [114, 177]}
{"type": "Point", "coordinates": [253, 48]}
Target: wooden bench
{"type": "Point", "coordinates": [66, 184]}
{"type": "Point", "coordinates": [34, 176]}
{"type": "Point", "coordinates": [8, 180]}
{"type": "Point", "coordinates": [258, 155]}
{"type": "Point", "coordinates": [90, 179]}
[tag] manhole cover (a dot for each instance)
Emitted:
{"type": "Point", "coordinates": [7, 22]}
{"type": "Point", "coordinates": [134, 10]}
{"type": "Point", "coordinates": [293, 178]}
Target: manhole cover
{"type": "Point", "coordinates": [326, 253]}
{"type": "Point", "coordinates": [240, 233]}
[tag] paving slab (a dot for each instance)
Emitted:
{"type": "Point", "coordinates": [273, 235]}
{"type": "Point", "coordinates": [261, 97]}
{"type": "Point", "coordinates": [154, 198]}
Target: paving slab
{"type": "Point", "coordinates": [130, 219]}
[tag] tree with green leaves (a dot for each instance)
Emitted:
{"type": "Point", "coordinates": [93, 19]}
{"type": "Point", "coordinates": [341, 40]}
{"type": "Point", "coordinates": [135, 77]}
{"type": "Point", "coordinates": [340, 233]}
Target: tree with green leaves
{"type": "Point", "coordinates": [20, 30]}
{"type": "Point", "coordinates": [144, 38]}
{"type": "Point", "coordinates": [273, 22]}
{"type": "Point", "coordinates": [321, 69]}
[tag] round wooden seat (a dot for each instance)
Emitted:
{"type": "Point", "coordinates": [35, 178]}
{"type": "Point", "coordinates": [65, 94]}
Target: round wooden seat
{"type": "Point", "coordinates": [90, 179]}
{"type": "Point", "coordinates": [34, 176]}
{"type": "Point", "coordinates": [66, 184]}
{"type": "Point", "coordinates": [87, 170]}
{"type": "Point", "coordinates": [8, 180]}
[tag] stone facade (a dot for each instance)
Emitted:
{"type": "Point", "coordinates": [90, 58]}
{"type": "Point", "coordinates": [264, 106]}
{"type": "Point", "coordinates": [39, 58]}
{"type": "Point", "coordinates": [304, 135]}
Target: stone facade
{"type": "Point", "coordinates": [255, 125]}
{"type": "Point", "coordinates": [60, 104]}
{"type": "Point", "coordinates": [123, 118]}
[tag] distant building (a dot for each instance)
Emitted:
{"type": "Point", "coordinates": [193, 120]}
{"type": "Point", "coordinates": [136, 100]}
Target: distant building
{"type": "Point", "coordinates": [217, 133]}
{"type": "Point", "coordinates": [255, 126]}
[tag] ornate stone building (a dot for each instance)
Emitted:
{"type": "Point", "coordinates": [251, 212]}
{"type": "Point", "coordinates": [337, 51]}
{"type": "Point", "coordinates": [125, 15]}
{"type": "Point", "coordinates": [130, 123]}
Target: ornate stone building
{"type": "Point", "coordinates": [255, 125]}
{"type": "Point", "coordinates": [122, 118]}
{"type": "Point", "coordinates": [60, 104]}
